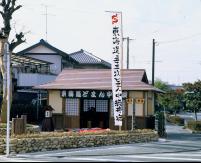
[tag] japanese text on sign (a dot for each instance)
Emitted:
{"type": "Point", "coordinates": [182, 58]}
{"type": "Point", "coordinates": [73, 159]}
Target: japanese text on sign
{"type": "Point", "coordinates": [116, 72]}
{"type": "Point", "coordinates": [90, 94]}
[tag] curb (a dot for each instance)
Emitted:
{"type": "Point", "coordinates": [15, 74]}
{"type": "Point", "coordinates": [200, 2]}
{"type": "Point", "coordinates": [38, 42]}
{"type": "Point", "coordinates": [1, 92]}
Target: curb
{"type": "Point", "coordinates": [193, 132]}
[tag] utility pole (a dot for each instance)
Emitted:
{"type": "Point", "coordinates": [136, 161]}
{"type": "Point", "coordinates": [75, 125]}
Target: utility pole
{"type": "Point", "coordinates": [128, 50]}
{"type": "Point", "coordinates": [8, 82]}
{"type": "Point", "coordinates": [153, 62]}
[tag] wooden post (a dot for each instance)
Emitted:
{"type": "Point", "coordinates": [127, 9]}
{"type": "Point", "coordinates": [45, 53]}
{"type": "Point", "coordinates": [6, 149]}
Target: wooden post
{"type": "Point", "coordinates": [24, 118]}
{"type": "Point", "coordinates": [18, 126]}
{"type": "Point", "coordinates": [13, 125]}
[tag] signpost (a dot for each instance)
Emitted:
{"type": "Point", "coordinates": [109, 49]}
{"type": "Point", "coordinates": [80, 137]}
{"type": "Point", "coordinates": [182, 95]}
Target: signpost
{"type": "Point", "coordinates": [133, 114]}
{"type": "Point", "coordinates": [131, 101]}
{"type": "Point", "coordinates": [134, 101]}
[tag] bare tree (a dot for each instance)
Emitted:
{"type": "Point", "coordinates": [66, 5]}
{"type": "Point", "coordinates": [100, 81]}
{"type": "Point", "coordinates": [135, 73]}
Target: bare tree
{"type": "Point", "coordinates": [7, 9]}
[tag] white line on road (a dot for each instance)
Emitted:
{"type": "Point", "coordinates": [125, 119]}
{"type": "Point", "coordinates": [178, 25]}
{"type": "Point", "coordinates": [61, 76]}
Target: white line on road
{"type": "Point", "coordinates": [164, 158]}
{"type": "Point", "coordinates": [5, 159]}
{"type": "Point", "coordinates": [69, 152]}
{"type": "Point", "coordinates": [183, 154]}
{"type": "Point", "coordinates": [105, 160]}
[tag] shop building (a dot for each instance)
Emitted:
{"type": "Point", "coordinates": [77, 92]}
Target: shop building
{"type": "Point", "coordinates": [82, 98]}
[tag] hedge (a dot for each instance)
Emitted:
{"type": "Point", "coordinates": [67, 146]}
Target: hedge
{"type": "Point", "coordinates": [194, 125]}
{"type": "Point", "coordinates": [176, 120]}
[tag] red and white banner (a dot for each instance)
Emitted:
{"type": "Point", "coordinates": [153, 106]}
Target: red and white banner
{"type": "Point", "coordinates": [116, 71]}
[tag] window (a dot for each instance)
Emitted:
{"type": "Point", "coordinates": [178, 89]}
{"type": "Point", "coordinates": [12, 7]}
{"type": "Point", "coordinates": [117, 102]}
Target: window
{"type": "Point", "coordinates": [72, 107]}
{"type": "Point", "coordinates": [102, 106]}
{"type": "Point", "coordinates": [88, 104]}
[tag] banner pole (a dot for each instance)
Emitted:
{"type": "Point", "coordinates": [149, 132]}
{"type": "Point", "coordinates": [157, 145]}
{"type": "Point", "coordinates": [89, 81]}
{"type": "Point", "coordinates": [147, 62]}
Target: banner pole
{"type": "Point", "coordinates": [121, 71]}
{"type": "Point", "coordinates": [117, 67]}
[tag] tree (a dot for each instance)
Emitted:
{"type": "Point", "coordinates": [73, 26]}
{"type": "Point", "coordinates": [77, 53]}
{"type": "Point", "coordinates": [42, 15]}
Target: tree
{"type": "Point", "coordinates": [7, 9]}
{"type": "Point", "coordinates": [171, 100]}
{"type": "Point", "coordinates": [162, 100]}
{"type": "Point", "coordinates": [193, 96]}
{"type": "Point", "coordinates": [175, 101]}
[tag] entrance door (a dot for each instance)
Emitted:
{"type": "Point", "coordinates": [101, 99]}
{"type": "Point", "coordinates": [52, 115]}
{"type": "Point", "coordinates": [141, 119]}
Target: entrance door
{"type": "Point", "coordinates": [94, 113]}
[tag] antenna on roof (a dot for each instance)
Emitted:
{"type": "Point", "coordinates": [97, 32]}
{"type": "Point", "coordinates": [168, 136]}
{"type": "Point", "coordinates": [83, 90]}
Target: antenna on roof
{"type": "Point", "coordinates": [46, 19]}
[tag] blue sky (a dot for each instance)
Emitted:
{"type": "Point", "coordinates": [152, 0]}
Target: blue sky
{"type": "Point", "coordinates": [84, 24]}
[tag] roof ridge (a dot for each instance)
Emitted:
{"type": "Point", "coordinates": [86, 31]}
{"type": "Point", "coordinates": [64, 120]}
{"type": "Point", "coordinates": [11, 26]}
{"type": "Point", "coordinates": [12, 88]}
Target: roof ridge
{"type": "Point", "coordinates": [92, 55]}
{"type": "Point", "coordinates": [89, 54]}
{"type": "Point", "coordinates": [104, 69]}
{"type": "Point", "coordinates": [75, 52]}
{"type": "Point", "coordinates": [47, 45]}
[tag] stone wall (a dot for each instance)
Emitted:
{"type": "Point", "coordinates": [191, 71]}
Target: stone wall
{"type": "Point", "coordinates": [2, 131]}
{"type": "Point", "coordinates": [26, 145]}
{"type": "Point", "coordinates": [2, 146]}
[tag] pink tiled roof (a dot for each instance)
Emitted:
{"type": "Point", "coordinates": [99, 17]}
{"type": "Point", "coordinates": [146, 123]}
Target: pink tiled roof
{"type": "Point", "coordinates": [98, 79]}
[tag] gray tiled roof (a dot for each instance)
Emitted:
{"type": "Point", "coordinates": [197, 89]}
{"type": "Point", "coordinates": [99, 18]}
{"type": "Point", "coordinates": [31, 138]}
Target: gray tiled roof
{"type": "Point", "coordinates": [84, 57]}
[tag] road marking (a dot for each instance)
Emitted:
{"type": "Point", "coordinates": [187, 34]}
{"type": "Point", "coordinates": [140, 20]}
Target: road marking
{"type": "Point", "coordinates": [18, 160]}
{"type": "Point", "coordinates": [101, 159]}
{"type": "Point", "coordinates": [175, 146]}
{"type": "Point", "coordinates": [164, 158]}
{"type": "Point", "coordinates": [183, 154]}
{"type": "Point", "coordinates": [87, 150]}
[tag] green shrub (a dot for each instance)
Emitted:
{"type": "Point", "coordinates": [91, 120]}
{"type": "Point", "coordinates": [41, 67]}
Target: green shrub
{"type": "Point", "coordinates": [161, 124]}
{"type": "Point", "coordinates": [176, 120]}
{"type": "Point", "coordinates": [3, 125]}
{"type": "Point", "coordinates": [194, 125]}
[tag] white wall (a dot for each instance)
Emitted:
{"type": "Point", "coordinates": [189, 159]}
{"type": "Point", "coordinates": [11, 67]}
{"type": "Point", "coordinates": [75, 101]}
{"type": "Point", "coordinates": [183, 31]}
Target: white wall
{"type": "Point", "coordinates": [41, 49]}
{"type": "Point", "coordinates": [55, 59]}
{"type": "Point", "coordinates": [30, 79]}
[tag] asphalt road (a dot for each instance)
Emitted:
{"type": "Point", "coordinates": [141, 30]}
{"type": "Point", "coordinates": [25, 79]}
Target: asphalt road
{"type": "Point", "coordinates": [180, 146]}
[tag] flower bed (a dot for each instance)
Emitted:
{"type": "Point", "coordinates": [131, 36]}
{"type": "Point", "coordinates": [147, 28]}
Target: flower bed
{"type": "Point", "coordinates": [88, 130]}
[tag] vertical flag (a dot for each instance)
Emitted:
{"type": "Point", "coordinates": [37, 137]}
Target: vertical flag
{"type": "Point", "coordinates": [116, 71]}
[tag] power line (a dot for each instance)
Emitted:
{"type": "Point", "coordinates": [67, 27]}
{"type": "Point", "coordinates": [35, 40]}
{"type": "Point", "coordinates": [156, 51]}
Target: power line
{"type": "Point", "coordinates": [180, 39]}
